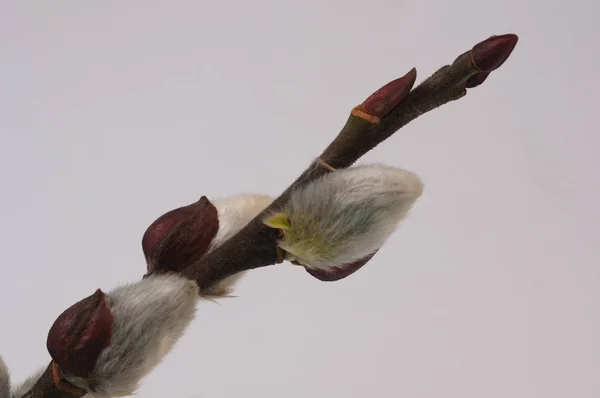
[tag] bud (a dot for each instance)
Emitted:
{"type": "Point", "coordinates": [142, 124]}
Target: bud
{"type": "Point", "coordinates": [335, 224]}
{"type": "Point", "coordinates": [180, 237]}
{"type": "Point", "coordinates": [384, 100]}
{"type": "Point", "coordinates": [149, 318]}
{"type": "Point", "coordinates": [184, 235]}
{"type": "Point", "coordinates": [4, 380]}
{"type": "Point", "coordinates": [80, 334]}
{"type": "Point", "coordinates": [339, 272]}
{"type": "Point", "coordinates": [491, 53]}
{"type": "Point", "coordinates": [476, 80]}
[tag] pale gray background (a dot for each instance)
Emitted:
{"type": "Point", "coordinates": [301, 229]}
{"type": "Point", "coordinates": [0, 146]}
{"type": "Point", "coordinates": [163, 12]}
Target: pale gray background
{"type": "Point", "coordinates": [113, 112]}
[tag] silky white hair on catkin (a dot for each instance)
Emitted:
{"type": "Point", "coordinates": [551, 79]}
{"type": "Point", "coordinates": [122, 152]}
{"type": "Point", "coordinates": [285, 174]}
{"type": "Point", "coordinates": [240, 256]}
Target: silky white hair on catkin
{"type": "Point", "coordinates": [21, 389]}
{"type": "Point", "coordinates": [149, 318]}
{"type": "Point", "coordinates": [336, 219]}
{"type": "Point", "coordinates": [151, 315]}
{"type": "Point", "coordinates": [234, 214]}
{"type": "Point", "coordinates": [345, 215]}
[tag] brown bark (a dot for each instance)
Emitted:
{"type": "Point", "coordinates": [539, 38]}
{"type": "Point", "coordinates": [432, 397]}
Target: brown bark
{"type": "Point", "coordinates": [52, 385]}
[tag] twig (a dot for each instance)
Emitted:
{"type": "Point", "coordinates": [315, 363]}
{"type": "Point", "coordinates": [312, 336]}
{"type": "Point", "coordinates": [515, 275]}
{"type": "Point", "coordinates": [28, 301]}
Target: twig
{"type": "Point", "coordinates": [369, 124]}
{"type": "Point", "coordinates": [381, 115]}
{"type": "Point", "coordinates": [52, 385]}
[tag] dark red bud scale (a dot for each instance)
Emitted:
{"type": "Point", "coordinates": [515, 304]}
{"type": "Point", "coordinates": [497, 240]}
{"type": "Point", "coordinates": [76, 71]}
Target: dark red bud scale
{"type": "Point", "coordinates": [477, 79]}
{"type": "Point", "coordinates": [180, 237]}
{"type": "Point", "coordinates": [80, 333]}
{"type": "Point", "coordinates": [340, 272]}
{"type": "Point", "coordinates": [383, 101]}
{"type": "Point", "coordinates": [490, 54]}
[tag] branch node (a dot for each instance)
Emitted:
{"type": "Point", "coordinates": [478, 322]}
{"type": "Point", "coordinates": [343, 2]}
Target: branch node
{"type": "Point", "coordinates": [64, 386]}
{"type": "Point", "coordinates": [358, 112]}
{"type": "Point", "coordinates": [325, 165]}
{"type": "Point", "coordinates": [280, 255]}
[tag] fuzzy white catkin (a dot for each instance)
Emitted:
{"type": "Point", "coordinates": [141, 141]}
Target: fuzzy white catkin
{"type": "Point", "coordinates": [234, 213]}
{"type": "Point", "coordinates": [346, 215]}
{"type": "Point", "coordinates": [149, 318]}
{"type": "Point", "coordinates": [21, 389]}
{"type": "Point", "coordinates": [151, 315]}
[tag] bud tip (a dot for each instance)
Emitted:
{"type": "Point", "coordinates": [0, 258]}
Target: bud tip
{"type": "Point", "coordinates": [491, 53]}
{"type": "Point", "coordinates": [80, 334]}
{"type": "Point", "coordinates": [384, 100]}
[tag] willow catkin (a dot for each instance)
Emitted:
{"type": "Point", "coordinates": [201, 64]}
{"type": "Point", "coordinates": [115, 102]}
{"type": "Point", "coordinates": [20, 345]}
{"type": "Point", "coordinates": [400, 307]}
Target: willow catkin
{"type": "Point", "coordinates": [345, 215]}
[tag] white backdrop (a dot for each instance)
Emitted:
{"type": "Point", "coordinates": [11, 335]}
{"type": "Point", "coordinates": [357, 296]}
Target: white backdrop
{"type": "Point", "coordinates": [112, 113]}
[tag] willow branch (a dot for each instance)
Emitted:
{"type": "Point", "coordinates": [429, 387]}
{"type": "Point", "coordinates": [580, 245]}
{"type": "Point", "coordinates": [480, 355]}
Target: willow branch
{"type": "Point", "coordinates": [375, 120]}
{"type": "Point", "coordinates": [369, 124]}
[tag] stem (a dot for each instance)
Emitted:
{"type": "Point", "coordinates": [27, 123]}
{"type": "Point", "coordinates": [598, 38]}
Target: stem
{"type": "Point", "coordinates": [371, 123]}
{"type": "Point", "coordinates": [52, 385]}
